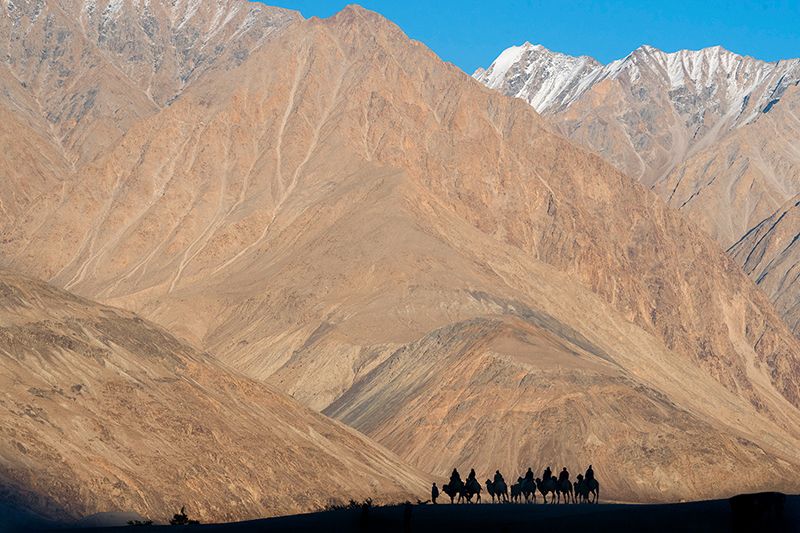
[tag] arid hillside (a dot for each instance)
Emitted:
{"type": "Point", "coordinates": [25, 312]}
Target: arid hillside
{"type": "Point", "coordinates": [713, 133]}
{"type": "Point", "coordinates": [103, 411]}
{"type": "Point", "coordinates": [770, 254]}
{"type": "Point", "coordinates": [362, 226]}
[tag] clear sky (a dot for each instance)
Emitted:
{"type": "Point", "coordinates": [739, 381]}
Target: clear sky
{"type": "Point", "coordinates": [471, 33]}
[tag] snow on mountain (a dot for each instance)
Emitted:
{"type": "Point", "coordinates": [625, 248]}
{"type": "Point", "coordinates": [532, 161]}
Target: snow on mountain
{"type": "Point", "coordinates": [712, 132]}
{"type": "Point", "coordinates": [711, 77]}
{"type": "Point", "coordinates": [543, 78]}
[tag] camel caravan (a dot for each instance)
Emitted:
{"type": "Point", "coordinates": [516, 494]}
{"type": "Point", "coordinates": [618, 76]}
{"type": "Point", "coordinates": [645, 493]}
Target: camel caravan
{"type": "Point", "coordinates": [586, 488]}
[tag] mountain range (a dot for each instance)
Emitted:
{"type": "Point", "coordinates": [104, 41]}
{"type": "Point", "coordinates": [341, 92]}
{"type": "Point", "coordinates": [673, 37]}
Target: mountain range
{"type": "Point", "coordinates": [323, 209]}
{"type": "Point", "coordinates": [711, 132]}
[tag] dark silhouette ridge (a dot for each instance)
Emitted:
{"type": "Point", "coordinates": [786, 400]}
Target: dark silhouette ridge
{"type": "Point", "coordinates": [761, 511]}
{"type": "Point", "coordinates": [716, 516]}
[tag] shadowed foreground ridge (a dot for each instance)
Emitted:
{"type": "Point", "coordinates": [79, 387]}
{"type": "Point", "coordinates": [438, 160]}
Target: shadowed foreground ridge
{"type": "Point", "coordinates": [707, 517]}
{"type": "Point", "coordinates": [344, 217]}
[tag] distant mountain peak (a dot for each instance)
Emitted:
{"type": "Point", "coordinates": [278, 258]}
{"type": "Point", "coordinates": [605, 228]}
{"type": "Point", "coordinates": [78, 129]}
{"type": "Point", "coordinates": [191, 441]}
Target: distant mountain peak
{"type": "Point", "coordinates": [537, 74]}
{"type": "Point", "coordinates": [551, 81]}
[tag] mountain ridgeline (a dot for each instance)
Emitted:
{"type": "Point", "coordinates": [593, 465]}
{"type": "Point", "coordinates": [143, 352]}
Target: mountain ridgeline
{"type": "Point", "coordinates": [711, 132]}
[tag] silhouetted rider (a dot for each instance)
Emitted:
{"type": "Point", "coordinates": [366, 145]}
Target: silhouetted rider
{"type": "Point", "coordinates": [529, 475]}
{"type": "Point", "coordinates": [471, 475]}
{"type": "Point", "coordinates": [498, 478]}
{"type": "Point", "coordinates": [589, 473]}
{"type": "Point", "coordinates": [455, 478]}
{"type": "Point", "coordinates": [563, 476]}
{"type": "Point", "coordinates": [547, 474]}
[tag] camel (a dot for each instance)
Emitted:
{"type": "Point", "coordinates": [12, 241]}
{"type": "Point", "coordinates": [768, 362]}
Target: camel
{"type": "Point", "coordinates": [546, 487]}
{"type": "Point", "coordinates": [586, 487]}
{"type": "Point", "coordinates": [523, 489]}
{"type": "Point", "coordinates": [581, 492]}
{"type": "Point", "coordinates": [565, 487]}
{"type": "Point", "coordinates": [455, 489]}
{"type": "Point", "coordinates": [498, 490]}
{"type": "Point", "coordinates": [490, 488]}
{"type": "Point", "coordinates": [472, 488]}
{"type": "Point", "coordinates": [593, 487]}
{"type": "Point", "coordinates": [528, 487]}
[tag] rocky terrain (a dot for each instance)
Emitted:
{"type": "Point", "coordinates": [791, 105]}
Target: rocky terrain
{"type": "Point", "coordinates": [101, 410]}
{"type": "Point", "coordinates": [712, 132]}
{"type": "Point", "coordinates": [356, 223]}
{"type": "Point", "coordinates": [769, 253]}
{"type": "Point", "coordinates": [651, 110]}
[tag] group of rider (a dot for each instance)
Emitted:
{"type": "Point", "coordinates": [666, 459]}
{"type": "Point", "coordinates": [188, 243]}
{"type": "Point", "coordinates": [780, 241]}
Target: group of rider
{"type": "Point", "coordinates": [455, 478]}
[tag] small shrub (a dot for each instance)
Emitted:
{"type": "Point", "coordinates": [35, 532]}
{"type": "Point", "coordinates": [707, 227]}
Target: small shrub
{"type": "Point", "coordinates": [182, 519]}
{"type": "Point", "coordinates": [352, 505]}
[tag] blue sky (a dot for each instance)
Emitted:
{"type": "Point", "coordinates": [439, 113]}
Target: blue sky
{"type": "Point", "coordinates": [471, 33]}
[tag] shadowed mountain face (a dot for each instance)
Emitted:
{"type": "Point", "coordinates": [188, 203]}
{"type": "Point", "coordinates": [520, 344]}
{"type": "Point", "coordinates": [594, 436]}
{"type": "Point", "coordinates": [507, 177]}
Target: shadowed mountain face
{"type": "Point", "coordinates": [713, 133]}
{"type": "Point", "coordinates": [364, 227]}
{"type": "Point", "coordinates": [102, 411]}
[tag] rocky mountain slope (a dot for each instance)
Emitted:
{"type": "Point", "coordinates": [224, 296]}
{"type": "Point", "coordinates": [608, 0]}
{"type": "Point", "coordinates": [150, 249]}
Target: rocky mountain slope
{"type": "Point", "coordinates": [103, 411]}
{"type": "Point", "coordinates": [346, 217]}
{"type": "Point", "coordinates": [84, 70]}
{"type": "Point", "coordinates": [713, 133]}
{"type": "Point", "coordinates": [652, 111]}
{"type": "Point", "coordinates": [770, 254]}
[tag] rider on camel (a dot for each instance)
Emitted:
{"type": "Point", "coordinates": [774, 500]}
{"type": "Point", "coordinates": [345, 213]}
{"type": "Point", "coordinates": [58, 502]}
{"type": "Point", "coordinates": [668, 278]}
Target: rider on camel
{"type": "Point", "coordinates": [529, 475]}
{"type": "Point", "coordinates": [563, 476]}
{"type": "Point", "coordinates": [547, 474]}
{"type": "Point", "coordinates": [498, 478]}
{"type": "Point", "coordinates": [471, 475]}
{"type": "Point", "coordinates": [589, 473]}
{"type": "Point", "coordinates": [455, 478]}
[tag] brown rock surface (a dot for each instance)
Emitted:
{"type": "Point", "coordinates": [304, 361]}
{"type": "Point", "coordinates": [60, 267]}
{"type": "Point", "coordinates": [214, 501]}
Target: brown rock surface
{"type": "Point", "coordinates": [713, 133]}
{"type": "Point", "coordinates": [770, 254]}
{"type": "Point", "coordinates": [85, 70]}
{"type": "Point", "coordinates": [365, 227]}
{"type": "Point", "coordinates": [731, 186]}
{"type": "Point", "coordinates": [102, 411]}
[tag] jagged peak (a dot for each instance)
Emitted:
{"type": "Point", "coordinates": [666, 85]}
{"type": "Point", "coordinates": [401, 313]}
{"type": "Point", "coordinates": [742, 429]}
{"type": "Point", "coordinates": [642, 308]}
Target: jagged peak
{"type": "Point", "coordinates": [530, 53]}
{"type": "Point", "coordinates": [363, 19]}
{"type": "Point", "coordinates": [355, 12]}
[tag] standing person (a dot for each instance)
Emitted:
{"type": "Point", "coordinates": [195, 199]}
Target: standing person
{"type": "Point", "coordinates": [434, 493]}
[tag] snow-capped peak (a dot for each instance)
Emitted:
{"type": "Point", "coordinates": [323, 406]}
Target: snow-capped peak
{"type": "Point", "coordinates": [551, 81]}
{"type": "Point", "coordinates": [537, 73]}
